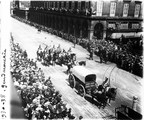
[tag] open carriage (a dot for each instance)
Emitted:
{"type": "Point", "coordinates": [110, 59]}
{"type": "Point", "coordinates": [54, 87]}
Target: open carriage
{"type": "Point", "coordinates": [84, 81]}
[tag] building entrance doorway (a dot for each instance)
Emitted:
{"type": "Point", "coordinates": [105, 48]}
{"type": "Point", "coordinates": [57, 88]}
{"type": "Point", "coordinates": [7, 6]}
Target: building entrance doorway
{"type": "Point", "coordinates": [98, 31]}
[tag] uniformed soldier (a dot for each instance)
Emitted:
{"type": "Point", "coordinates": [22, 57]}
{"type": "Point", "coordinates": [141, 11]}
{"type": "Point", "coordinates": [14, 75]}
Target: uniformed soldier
{"type": "Point", "coordinates": [91, 54]}
{"type": "Point", "coordinates": [69, 65]}
{"type": "Point", "coordinates": [100, 54]}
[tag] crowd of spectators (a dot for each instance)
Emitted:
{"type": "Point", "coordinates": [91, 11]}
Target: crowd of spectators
{"type": "Point", "coordinates": [121, 54]}
{"type": "Point", "coordinates": [39, 98]}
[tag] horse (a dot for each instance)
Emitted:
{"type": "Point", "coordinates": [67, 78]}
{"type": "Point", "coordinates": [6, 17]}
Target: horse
{"type": "Point", "coordinates": [102, 95]}
{"type": "Point", "coordinates": [111, 94]}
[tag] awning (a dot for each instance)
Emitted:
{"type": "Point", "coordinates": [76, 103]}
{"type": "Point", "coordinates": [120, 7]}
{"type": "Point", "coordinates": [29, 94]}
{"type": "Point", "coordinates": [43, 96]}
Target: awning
{"type": "Point", "coordinates": [126, 35]}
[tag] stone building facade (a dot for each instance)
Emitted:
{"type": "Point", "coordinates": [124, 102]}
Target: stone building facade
{"type": "Point", "coordinates": [89, 20]}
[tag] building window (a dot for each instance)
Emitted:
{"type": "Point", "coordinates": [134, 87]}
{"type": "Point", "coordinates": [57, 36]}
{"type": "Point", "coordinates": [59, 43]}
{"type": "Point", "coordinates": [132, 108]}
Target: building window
{"type": "Point", "coordinates": [135, 26]}
{"type": "Point", "coordinates": [73, 5]}
{"type": "Point", "coordinates": [124, 26]}
{"type": "Point", "coordinates": [79, 5]}
{"type": "Point", "coordinates": [58, 5]}
{"type": "Point", "coordinates": [112, 9]}
{"type": "Point", "coordinates": [99, 8]}
{"type": "Point", "coordinates": [44, 5]}
{"type": "Point", "coordinates": [70, 4]}
{"type": "Point", "coordinates": [53, 4]}
{"type": "Point", "coordinates": [82, 5]}
{"type": "Point", "coordinates": [47, 5]}
{"type": "Point", "coordinates": [67, 5]}
{"type": "Point", "coordinates": [137, 10]}
{"type": "Point", "coordinates": [76, 5]}
{"type": "Point", "coordinates": [125, 9]}
{"type": "Point", "coordinates": [62, 4]}
{"type": "Point", "coordinates": [50, 4]}
{"type": "Point", "coordinates": [112, 25]}
{"type": "Point", "coordinates": [87, 4]}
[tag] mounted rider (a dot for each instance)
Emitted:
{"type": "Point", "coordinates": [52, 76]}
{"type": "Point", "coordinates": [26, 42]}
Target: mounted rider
{"type": "Point", "coordinates": [69, 65]}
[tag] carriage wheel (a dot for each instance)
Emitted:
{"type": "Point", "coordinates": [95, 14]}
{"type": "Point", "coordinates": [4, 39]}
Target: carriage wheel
{"type": "Point", "coordinates": [81, 90]}
{"type": "Point", "coordinates": [72, 81]}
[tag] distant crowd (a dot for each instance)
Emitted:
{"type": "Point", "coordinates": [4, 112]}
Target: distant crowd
{"type": "Point", "coordinates": [40, 100]}
{"type": "Point", "coordinates": [124, 55]}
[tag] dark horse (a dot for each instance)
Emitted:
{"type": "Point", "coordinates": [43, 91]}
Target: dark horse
{"type": "Point", "coordinates": [111, 93]}
{"type": "Point", "coordinates": [102, 95]}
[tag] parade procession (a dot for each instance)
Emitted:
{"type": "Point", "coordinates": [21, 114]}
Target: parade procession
{"type": "Point", "coordinates": [77, 59]}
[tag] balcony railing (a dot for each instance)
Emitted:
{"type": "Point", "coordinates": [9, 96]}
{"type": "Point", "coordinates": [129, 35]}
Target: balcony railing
{"type": "Point", "coordinates": [85, 12]}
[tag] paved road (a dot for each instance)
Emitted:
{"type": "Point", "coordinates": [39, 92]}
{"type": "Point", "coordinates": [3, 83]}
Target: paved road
{"type": "Point", "coordinates": [128, 85]}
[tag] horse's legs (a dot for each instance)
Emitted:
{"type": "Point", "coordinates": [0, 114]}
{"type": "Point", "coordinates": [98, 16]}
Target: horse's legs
{"type": "Point", "coordinates": [92, 100]}
{"type": "Point", "coordinates": [109, 100]}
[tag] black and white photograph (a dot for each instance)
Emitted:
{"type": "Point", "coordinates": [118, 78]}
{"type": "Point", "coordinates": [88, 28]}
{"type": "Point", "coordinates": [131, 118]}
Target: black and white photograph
{"type": "Point", "coordinates": [74, 60]}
